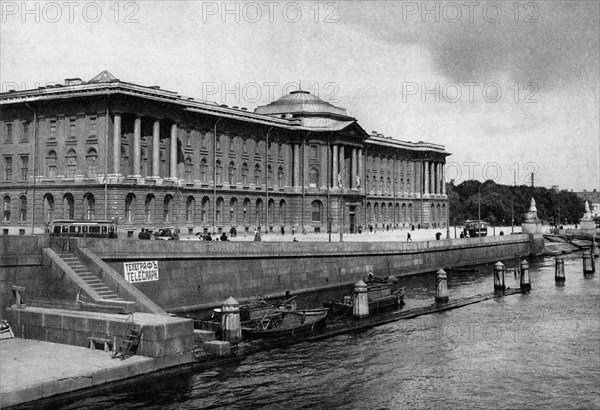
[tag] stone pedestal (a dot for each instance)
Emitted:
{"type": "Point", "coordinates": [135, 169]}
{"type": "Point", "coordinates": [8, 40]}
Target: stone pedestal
{"type": "Point", "coordinates": [232, 327]}
{"type": "Point", "coordinates": [525, 285]}
{"type": "Point", "coordinates": [499, 276]}
{"type": "Point", "coordinates": [532, 223]}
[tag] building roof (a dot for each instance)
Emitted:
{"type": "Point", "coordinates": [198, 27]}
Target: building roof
{"type": "Point", "coordinates": [307, 111]}
{"type": "Point", "coordinates": [300, 103]}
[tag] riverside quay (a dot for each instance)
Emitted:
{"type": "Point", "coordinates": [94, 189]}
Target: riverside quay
{"type": "Point", "coordinates": [144, 157]}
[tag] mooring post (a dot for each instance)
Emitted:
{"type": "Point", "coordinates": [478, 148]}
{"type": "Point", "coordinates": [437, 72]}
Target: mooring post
{"type": "Point", "coordinates": [525, 285]}
{"type": "Point", "coordinates": [441, 291]}
{"type": "Point", "coordinates": [360, 302]}
{"type": "Point", "coordinates": [499, 276]}
{"type": "Point", "coordinates": [588, 263]}
{"type": "Point", "coordinates": [559, 270]}
{"type": "Point", "coordinates": [595, 249]}
{"type": "Point", "coordinates": [232, 326]}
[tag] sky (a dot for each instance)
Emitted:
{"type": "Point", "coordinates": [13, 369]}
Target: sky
{"type": "Point", "coordinates": [509, 88]}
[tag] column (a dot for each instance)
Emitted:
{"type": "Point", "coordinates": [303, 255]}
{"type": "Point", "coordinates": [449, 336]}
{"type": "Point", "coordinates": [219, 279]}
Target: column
{"type": "Point", "coordinates": [137, 146]}
{"type": "Point", "coordinates": [426, 177]}
{"type": "Point", "coordinates": [173, 160]}
{"type": "Point", "coordinates": [156, 150]}
{"type": "Point", "coordinates": [416, 178]}
{"type": "Point", "coordinates": [296, 161]}
{"type": "Point", "coordinates": [354, 169]}
{"type": "Point", "coordinates": [117, 144]}
{"type": "Point", "coordinates": [361, 168]}
{"type": "Point", "coordinates": [407, 178]}
{"type": "Point", "coordinates": [334, 172]}
{"type": "Point", "coordinates": [343, 166]}
{"type": "Point", "coordinates": [443, 180]}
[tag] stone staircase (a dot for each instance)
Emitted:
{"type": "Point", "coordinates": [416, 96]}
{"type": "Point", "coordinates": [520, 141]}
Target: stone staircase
{"type": "Point", "coordinates": [107, 294]}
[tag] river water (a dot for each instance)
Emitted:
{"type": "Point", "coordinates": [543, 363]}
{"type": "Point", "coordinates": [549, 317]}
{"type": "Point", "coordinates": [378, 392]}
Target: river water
{"type": "Point", "coordinates": [539, 350]}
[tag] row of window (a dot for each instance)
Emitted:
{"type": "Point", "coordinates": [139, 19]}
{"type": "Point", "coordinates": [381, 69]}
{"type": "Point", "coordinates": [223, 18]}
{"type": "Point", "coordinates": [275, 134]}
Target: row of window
{"type": "Point", "coordinates": [232, 213]}
{"type": "Point", "coordinates": [70, 164]}
{"type": "Point", "coordinates": [402, 212]}
{"type": "Point", "coordinates": [10, 129]}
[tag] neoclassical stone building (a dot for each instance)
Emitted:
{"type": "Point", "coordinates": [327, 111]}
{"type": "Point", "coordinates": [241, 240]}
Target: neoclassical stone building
{"type": "Point", "coordinates": [147, 157]}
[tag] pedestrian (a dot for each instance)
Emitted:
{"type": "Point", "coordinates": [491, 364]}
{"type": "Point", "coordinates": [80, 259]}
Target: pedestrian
{"type": "Point", "coordinates": [224, 237]}
{"type": "Point", "coordinates": [295, 239]}
{"type": "Point", "coordinates": [293, 230]}
{"type": "Point", "coordinates": [408, 237]}
{"type": "Point", "coordinates": [142, 234]}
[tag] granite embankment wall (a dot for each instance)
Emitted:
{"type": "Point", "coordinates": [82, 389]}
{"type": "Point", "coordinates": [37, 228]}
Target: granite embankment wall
{"type": "Point", "coordinates": [196, 275]}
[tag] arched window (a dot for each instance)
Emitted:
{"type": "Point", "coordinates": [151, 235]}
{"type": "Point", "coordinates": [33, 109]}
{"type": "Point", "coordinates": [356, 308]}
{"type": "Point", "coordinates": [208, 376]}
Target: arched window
{"type": "Point", "coordinates": [219, 210]}
{"type": "Point", "coordinates": [245, 174]}
{"type": "Point", "coordinates": [231, 173]}
{"type": "Point", "coordinates": [6, 208]}
{"type": "Point", "coordinates": [232, 209]}
{"type": "Point", "coordinates": [381, 187]}
{"type": "Point", "coordinates": [149, 207]}
{"type": "Point", "coordinates": [92, 163]}
{"type": "Point", "coordinates": [51, 163]}
{"type": "Point", "coordinates": [367, 184]}
{"type": "Point", "coordinates": [71, 158]}
{"type": "Point", "coordinates": [219, 172]}
{"type": "Point", "coordinates": [316, 214]}
{"type": "Point", "coordinates": [22, 208]}
{"type": "Point", "coordinates": [189, 209]}
{"type": "Point", "coordinates": [376, 212]}
{"type": "Point", "coordinates": [271, 210]}
{"type": "Point", "coordinates": [246, 210]}
{"type": "Point", "coordinates": [259, 211]}
{"type": "Point", "coordinates": [257, 175]}
{"type": "Point", "coordinates": [203, 171]}
{"type": "Point", "coordinates": [129, 208]}
{"type": "Point", "coordinates": [389, 184]}
{"type": "Point", "coordinates": [270, 174]}
{"type": "Point", "coordinates": [69, 206]}
{"type": "Point", "coordinates": [282, 212]}
{"type": "Point", "coordinates": [90, 206]}
{"type": "Point", "coordinates": [204, 209]}
{"type": "Point", "coordinates": [404, 215]}
{"type": "Point", "coordinates": [280, 176]}
{"type": "Point", "coordinates": [369, 213]}
{"type": "Point", "coordinates": [313, 177]}
{"type": "Point", "coordinates": [167, 208]}
{"type": "Point", "coordinates": [188, 169]}
{"type": "Point", "coordinates": [48, 207]}
{"type": "Point", "coordinates": [410, 213]}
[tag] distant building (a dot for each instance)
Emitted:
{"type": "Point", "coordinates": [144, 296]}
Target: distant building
{"type": "Point", "coordinates": [594, 199]}
{"type": "Point", "coordinates": [146, 157]}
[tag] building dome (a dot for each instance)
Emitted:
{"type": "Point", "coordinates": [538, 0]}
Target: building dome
{"type": "Point", "coordinates": [301, 104]}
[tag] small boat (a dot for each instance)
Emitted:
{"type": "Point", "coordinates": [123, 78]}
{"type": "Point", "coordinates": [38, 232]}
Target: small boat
{"type": "Point", "coordinates": [382, 293]}
{"type": "Point", "coordinates": [282, 324]}
{"type": "Point", "coordinates": [463, 269]}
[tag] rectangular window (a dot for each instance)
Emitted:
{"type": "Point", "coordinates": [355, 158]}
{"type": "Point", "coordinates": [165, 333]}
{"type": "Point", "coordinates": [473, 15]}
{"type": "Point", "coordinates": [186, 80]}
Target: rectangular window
{"type": "Point", "coordinates": [52, 130]}
{"type": "Point", "coordinates": [9, 132]}
{"type": "Point", "coordinates": [72, 128]}
{"type": "Point", "coordinates": [24, 167]}
{"type": "Point", "coordinates": [188, 138]}
{"type": "Point", "coordinates": [8, 169]}
{"type": "Point", "coordinates": [25, 136]}
{"type": "Point", "coordinates": [93, 126]}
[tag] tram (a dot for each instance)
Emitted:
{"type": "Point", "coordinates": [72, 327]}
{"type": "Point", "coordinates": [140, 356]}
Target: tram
{"type": "Point", "coordinates": [83, 228]}
{"type": "Point", "coordinates": [475, 229]}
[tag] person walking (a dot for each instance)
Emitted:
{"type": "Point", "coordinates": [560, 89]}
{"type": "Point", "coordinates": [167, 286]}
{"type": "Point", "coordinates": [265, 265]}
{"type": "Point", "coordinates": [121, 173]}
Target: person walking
{"type": "Point", "coordinates": [408, 237]}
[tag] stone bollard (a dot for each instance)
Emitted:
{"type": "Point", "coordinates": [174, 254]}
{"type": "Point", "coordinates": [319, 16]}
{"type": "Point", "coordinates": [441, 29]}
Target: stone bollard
{"type": "Point", "coordinates": [360, 300]}
{"type": "Point", "coordinates": [525, 285]}
{"type": "Point", "coordinates": [441, 291]}
{"type": "Point", "coordinates": [559, 271]}
{"type": "Point", "coordinates": [499, 276]}
{"type": "Point", "coordinates": [588, 263]}
{"type": "Point", "coordinates": [230, 321]}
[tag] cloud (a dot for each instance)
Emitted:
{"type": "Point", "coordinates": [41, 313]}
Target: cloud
{"type": "Point", "coordinates": [559, 48]}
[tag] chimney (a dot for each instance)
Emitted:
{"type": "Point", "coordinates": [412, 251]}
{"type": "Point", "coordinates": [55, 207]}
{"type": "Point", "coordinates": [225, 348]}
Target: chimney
{"type": "Point", "coordinates": [73, 81]}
